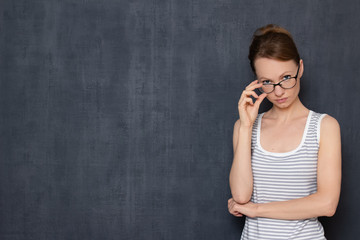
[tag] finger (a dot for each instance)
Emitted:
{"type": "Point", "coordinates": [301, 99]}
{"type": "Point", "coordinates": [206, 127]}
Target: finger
{"type": "Point", "coordinates": [245, 97]}
{"type": "Point", "coordinates": [260, 99]}
{"type": "Point", "coordinates": [250, 93]}
{"type": "Point", "coordinates": [254, 85]}
{"type": "Point", "coordinates": [249, 101]}
{"type": "Point", "coordinates": [235, 211]}
{"type": "Point", "coordinates": [244, 103]}
{"type": "Point", "coordinates": [253, 82]}
{"type": "Point", "coordinates": [247, 93]}
{"type": "Point", "coordinates": [237, 214]}
{"type": "Point", "coordinates": [243, 106]}
{"type": "Point", "coordinates": [231, 210]}
{"type": "Point", "coordinates": [230, 205]}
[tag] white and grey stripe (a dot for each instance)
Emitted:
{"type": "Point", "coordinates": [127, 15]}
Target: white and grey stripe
{"type": "Point", "coordinates": [282, 177]}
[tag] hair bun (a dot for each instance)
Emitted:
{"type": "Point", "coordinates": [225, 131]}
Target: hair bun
{"type": "Point", "coordinates": [271, 28]}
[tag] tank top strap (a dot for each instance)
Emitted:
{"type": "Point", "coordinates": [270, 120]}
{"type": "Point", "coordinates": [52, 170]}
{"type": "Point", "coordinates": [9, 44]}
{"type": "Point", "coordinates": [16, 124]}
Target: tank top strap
{"type": "Point", "coordinates": [313, 132]}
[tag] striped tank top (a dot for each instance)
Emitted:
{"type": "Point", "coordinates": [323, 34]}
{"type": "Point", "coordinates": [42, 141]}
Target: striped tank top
{"type": "Point", "coordinates": [282, 177]}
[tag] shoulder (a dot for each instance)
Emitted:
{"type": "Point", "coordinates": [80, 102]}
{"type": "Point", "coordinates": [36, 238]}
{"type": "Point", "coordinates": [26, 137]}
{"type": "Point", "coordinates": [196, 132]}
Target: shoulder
{"type": "Point", "coordinates": [329, 129]}
{"type": "Point", "coordinates": [329, 123]}
{"type": "Point", "coordinates": [326, 121]}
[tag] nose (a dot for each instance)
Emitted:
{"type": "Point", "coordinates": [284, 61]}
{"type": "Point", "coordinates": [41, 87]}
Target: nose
{"type": "Point", "coordinates": [279, 91]}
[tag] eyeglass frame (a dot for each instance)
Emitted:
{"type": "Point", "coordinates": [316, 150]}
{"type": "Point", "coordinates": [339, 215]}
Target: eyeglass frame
{"type": "Point", "coordinates": [279, 83]}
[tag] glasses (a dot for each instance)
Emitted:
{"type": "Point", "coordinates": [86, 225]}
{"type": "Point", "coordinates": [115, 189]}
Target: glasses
{"type": "Point", "coordinates": [287, 83]}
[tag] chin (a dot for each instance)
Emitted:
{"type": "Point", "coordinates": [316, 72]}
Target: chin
{"type": "Point", "coordinates": [282, 105]}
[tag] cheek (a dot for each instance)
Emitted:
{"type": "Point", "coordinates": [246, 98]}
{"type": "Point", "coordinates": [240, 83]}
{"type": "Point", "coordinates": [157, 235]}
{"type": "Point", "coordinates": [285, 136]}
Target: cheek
{"type": "Point", "coordinates": [294, 92]}
{"type": "Point", "coordinates": [270, 97]}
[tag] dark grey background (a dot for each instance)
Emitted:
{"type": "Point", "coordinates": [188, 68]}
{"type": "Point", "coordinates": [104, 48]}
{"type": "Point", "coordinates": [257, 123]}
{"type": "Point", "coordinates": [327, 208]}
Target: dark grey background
{"type": "Point", "coordinates": [116, 117]}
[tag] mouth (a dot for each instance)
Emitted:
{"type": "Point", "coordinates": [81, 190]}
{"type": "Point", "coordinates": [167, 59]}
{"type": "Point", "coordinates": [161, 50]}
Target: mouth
{"type": "Point", "coordinates": [281, 100]}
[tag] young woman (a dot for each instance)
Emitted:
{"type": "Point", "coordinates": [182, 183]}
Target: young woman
{"type": "Point", "coordinates": [286, 170]}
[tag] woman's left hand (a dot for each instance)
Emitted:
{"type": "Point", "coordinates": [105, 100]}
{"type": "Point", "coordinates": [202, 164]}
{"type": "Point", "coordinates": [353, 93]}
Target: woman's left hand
{"type": "Point", "coordinates": [238, 210]}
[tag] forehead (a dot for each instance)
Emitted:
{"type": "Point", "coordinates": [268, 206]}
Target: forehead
{"type": "Point", "coordinates": [271, 68]}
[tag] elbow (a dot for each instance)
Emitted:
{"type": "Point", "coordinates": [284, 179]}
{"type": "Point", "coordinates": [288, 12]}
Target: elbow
{"type": "Point", "coordinates": [241, 199]}
{"type": "Point", "coordinates": [330, 212]}
{"type": "Point", "coordinates": [330, 209]}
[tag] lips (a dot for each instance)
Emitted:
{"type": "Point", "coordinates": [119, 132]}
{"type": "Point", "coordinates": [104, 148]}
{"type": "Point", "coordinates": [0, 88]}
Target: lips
{"type": "Point", "coordinates": [281, 100]}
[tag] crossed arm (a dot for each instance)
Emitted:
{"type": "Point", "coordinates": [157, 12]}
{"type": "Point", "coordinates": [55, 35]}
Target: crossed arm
{"type": "Point", "coordinates": [322, 203]}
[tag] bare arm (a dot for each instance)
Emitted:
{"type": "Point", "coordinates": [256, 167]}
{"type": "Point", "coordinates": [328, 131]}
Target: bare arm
{"type": "Point", "coordinates": [322, 203]}
{"type": "Point", "coordinates": [241, 178]}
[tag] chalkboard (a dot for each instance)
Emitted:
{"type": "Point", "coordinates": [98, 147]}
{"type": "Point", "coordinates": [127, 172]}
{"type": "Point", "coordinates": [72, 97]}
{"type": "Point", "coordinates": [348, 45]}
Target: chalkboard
{"type": "Point", "coordinates": [116, 117]}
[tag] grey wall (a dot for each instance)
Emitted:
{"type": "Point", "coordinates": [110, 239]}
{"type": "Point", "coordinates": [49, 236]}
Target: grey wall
{"type": "Point", "coordinates": [116, 117]}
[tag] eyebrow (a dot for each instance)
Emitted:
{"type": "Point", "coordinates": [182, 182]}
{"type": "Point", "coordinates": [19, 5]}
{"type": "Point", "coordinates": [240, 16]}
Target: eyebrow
{"type": "Point", "coordinates": [286, 72]}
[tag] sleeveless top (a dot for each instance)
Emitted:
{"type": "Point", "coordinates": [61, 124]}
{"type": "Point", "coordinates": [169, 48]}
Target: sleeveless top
{"type": "Point", "coordinates": [281, 177]}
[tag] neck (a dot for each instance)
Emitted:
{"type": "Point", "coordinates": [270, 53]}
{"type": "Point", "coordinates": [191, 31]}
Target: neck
{"type": "Point", "coordinates": [296, 109]}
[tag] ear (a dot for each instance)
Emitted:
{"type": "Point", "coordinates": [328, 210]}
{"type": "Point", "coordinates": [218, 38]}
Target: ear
{"type": "Point", "coordinates": [301, 70]}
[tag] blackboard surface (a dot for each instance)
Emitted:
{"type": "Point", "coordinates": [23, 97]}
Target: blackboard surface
{"type": "Point", "coordinates": [116, 117]}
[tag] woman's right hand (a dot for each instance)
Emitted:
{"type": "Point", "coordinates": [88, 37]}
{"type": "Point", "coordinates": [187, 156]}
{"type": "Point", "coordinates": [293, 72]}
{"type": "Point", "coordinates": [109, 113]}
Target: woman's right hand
{"type": "Point", "coordinates": [248, 110]}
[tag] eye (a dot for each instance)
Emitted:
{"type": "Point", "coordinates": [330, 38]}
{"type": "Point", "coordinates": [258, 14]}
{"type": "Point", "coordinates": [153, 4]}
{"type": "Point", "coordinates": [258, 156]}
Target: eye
{"type": "Point", "coordinates": [286, 77]}
{"type": "Point", "coordinates": [266, 82]}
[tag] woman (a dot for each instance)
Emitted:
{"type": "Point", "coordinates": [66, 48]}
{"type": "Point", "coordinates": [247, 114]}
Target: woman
{"type": "Point", "coordinates": [286, 170]}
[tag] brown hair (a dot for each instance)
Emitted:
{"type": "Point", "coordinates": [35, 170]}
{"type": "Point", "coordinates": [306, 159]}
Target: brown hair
{"type": "Point", "coordinates": [272, 41]}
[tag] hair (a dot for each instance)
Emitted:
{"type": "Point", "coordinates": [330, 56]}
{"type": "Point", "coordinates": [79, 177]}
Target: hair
{"type": "Point", "coordinates": [274, 42]}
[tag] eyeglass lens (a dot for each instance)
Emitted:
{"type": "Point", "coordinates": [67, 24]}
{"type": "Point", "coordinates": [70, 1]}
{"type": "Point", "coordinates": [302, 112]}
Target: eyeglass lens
{"type": "Point", "coordinates": [286, 84]}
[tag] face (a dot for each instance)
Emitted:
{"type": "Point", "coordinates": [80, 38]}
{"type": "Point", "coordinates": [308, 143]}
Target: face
{"type": "Point", "coordinates": [273, 71]}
